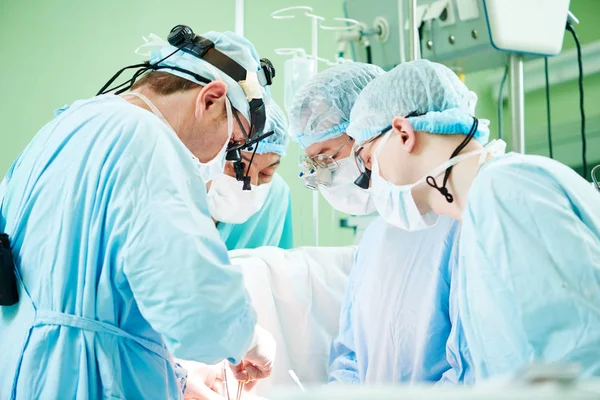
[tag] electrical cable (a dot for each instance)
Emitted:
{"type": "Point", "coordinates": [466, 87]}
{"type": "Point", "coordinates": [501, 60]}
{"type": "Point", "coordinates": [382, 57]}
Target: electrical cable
{"type": "Point", "coordinates": [501, 104]}
{"type": "Point", "coordinates": [581, 100]}
{"type": "Point", "coordinates": [548, 107]}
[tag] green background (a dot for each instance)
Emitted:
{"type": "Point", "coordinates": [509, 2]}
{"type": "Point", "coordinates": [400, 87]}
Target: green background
{"type": "Point", "coordinates": [55, 52]}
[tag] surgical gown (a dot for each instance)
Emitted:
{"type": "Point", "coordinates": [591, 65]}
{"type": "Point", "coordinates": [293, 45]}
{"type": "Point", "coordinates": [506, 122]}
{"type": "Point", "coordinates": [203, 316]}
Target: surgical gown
{"type": "Point", "coordinates": [530, 267]}
{"type": "Point", "coordinates": [120, 263]}
{"type": "Point", "coordinates": [270, 226]}
{"type": "Point", "coordinates": [399, 321]}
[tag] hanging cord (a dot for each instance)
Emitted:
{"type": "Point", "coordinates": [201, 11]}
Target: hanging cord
{"type": "Point", "coordinates": [369, 53]}
{"type": "Point", "coordinates": [115, 76]}
{"type": "Point", "coordinates": [581, 98]}
{"type": "Point", "coordinates": [443, 189]}
{"type": "Point", "coordinates": [501, 104]}
{"type": "Point", "coordinates": [127, 85]}
{"type": "Point", "coordinates": [548, 107]}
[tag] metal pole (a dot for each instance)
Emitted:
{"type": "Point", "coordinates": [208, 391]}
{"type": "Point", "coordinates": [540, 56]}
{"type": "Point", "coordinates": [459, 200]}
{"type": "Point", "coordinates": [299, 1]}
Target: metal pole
{"type": "Point", "coordinates": [413, 34]}
{"type": "Point", "coordinates": [315, 54]}
{"type": "Point", "coordinates": [315, 44]}
{"type": "Point", "coordinates": [517, 103]}
{"type": "Point", "coordinates": [239, 17]}
{"type": "Point", "coordinates": [401, 31]}
{"type": "Point", "coordinates": [316, 216]}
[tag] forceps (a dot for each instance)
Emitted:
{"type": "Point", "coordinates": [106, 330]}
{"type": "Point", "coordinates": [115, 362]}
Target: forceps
{"type": "Point", "coordinates": [241, 384]}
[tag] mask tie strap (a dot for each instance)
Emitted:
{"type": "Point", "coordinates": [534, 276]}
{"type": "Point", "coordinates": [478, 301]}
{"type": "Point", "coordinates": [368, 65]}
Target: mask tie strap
{"type": "Point", "coordinates": [443, 189]}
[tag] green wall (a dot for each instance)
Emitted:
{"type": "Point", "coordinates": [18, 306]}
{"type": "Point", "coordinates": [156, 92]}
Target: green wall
{"type": "Point", "coordinates": [54, 52]}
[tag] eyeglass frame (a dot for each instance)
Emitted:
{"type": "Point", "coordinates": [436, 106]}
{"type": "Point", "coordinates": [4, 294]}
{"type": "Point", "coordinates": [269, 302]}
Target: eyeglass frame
{"type": "Point", "coordinates": [358, 160]}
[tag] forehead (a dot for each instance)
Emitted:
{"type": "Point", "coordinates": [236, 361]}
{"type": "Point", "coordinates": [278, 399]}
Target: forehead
{"type": "Point", "coordinates": [264, 160]}
{"type": "Point", "coordinates": [326, 146]}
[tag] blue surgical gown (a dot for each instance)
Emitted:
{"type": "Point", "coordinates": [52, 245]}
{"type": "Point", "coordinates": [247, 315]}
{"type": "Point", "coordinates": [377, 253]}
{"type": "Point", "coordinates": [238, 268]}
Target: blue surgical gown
{"type": "Point", "coordinates": [270, 226]}
{"type": "Point", "coordinates": [399, 321]}
{"type": "Point", "coordinates": [530, 267]}
{"type": "Point", "coordinates": [121, 265]}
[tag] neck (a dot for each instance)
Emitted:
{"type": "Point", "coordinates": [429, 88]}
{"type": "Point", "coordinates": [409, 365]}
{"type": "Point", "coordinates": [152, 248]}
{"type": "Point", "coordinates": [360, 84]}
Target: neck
{"type": "Point", "coordinates": [459, 182]}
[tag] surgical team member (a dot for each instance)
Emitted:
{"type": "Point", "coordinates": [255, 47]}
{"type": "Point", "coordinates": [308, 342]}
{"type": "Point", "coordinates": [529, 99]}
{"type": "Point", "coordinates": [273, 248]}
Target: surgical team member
{"type": "Point", "coordinates": [262, 216]}
{"type": "Point", "coordinates": [399, 313]}
{"type": "Point", "coordinates": [119, 264]}
{"type": "Point", "coordinates": [529, 253]}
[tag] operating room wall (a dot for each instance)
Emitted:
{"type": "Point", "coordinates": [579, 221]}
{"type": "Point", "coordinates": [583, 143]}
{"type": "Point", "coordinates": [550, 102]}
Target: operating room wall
{"type": "Point", "coordinates": [54, 52]}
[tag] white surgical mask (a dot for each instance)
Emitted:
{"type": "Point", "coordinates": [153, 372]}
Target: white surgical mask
{"type": "Point", "coordinates": [396, 204]}
{"type": "Point", "coordinates": [228, 203]}
{"type": "Point", "coordinates": [343, 194]}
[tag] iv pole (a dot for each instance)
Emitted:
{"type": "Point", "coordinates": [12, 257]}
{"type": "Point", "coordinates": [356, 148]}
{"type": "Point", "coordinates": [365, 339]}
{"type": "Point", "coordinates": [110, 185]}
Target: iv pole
{"type": "Point", "coordinates": [517, 102]}
{"type": "Point", "coordinates": [315, 54]}
{"type": "Point", "coordinates": [239, 17]}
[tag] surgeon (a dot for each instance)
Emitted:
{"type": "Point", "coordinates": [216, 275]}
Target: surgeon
{"type": "Point", "coordinates": [118, 263]}
{"type": "Point", "coordinates": [262, 216]}
{"type": "Point", "coordinates": [529, 251]}
{"type": "Point", "coordinates": [399, 320]}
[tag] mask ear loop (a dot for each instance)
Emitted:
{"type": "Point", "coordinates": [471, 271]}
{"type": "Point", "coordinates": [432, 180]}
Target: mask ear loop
{"type": "Point", "coordinates": [443, 189]}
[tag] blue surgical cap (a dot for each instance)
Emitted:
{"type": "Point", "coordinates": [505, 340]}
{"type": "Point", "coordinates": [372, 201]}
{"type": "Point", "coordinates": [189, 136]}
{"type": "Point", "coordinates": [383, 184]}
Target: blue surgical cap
{"type": "Point", "coordinates": [277, 122]}
{"type": "Point", "coordinates": [321, 108]}
{"type": "Point", "coordinates": [431, 90]}
{"type": "Point", "coordinates": [229, 43]}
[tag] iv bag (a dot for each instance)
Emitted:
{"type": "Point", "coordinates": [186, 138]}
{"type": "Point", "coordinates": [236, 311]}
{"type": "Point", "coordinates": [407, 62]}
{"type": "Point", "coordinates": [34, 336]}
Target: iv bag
{"type": "Point", "coordinates": [296, 72]}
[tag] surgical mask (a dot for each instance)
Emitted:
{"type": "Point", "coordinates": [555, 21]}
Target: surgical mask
{"type": "Point", "coordinates": [228, 203]}
{"type": "Point", "coordinates": [215, 167]}
{"type": "Point", "coordinates": [343, 194]}
{"type": "Point", "coordinates": [396, 203]}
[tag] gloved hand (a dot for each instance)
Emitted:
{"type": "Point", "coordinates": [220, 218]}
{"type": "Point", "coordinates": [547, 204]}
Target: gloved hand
{"type": "Point", "coordinates": [258, 362]}
{"type": "Point", "coordinates": [204, 382]}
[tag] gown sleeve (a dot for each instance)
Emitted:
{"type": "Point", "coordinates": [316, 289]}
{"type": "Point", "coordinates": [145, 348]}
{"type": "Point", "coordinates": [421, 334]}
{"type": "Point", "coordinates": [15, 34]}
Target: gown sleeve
{"type": "Point", "coordinates": [529, 288]}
